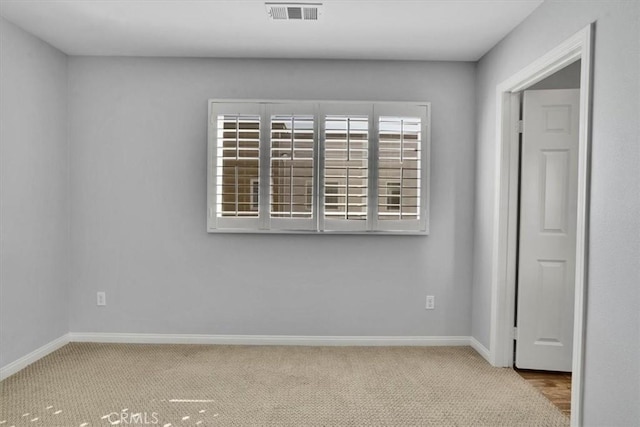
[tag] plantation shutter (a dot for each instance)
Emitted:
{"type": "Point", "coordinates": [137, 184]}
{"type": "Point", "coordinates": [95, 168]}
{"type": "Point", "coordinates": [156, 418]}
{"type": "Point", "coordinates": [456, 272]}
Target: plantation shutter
{"type": "Point", "coordinates": [345, 167]}
{"type": "Point", "coordinates": [235, 166]}
{"type": "Point", "coordinates": [293, 148]}
{"type": "Point", "coordinates": [346, 137]}
{"type": "Point", "coordinates": [401, 167]}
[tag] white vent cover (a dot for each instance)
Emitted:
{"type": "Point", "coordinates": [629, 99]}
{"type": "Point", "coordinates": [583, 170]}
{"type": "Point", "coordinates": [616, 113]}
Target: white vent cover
{"type": "Point", "coordinates": [294, 11]}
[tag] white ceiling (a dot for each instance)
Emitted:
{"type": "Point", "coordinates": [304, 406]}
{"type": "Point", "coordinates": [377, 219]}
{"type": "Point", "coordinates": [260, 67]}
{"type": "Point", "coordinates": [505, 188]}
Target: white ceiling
{"type": "Point", "coordinates": [458, 30]}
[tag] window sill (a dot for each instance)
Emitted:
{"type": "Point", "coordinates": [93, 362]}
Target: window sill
{"type": "Point", "coordinates": [319, 232]}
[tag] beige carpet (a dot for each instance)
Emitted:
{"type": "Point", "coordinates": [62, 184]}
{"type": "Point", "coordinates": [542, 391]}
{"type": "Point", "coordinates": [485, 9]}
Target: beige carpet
{"type": "Point", "coordinates": [198, 385]}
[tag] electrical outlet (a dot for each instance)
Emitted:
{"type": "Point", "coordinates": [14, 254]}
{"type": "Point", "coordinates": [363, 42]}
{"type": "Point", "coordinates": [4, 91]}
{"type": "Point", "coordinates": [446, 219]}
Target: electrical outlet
{"type": "Point", "coordinates": [431, 302]}
{"type": "Point", "coordinates": [102, 298]}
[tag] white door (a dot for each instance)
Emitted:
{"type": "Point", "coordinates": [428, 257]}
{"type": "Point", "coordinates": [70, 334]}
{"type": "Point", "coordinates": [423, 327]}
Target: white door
{"type": "Point", "coordinates": [547, 241]}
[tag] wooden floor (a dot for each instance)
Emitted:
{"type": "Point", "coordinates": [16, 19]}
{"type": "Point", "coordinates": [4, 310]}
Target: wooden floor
{"type": "Point", "coordinates": [556, 386]}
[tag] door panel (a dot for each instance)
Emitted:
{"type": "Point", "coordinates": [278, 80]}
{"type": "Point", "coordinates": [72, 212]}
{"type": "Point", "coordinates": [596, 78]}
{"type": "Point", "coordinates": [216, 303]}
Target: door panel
{"type": "Point", "coordinates": [547, 235]}
{"type": "Point", "coordinates": [552, 275]}
{"type": "Point", "coordinates": [555, 164]}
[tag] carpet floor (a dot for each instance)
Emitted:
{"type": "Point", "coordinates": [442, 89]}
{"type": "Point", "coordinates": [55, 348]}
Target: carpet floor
{"type": "Point", "coordinates": [214, 385]}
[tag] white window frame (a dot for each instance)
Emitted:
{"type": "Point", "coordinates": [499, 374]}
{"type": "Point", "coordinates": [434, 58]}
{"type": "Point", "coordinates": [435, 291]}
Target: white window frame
{"type": "Point", "coordinates": [318, 223]}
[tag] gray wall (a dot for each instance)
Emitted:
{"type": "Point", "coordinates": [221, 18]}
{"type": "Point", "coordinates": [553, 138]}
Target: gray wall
{"type": "Point", "coordinates": [138, 185]}
{"type": "Point", "coordinates": [613, 322]}
{"type": "Point", "coordinates": [34, 197]}
{"type": "Point", "coordinates": [567, 78]}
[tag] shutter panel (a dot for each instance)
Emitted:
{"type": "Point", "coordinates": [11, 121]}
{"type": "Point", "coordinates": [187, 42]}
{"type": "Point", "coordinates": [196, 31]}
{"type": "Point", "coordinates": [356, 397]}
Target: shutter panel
{"type": "Point", "coordinates": [236, 171]}
{"type": "Point", "coordinates": [401, 167]}
{"type": "Point", "coordinates": [238, 164]}
{"type": "Point", "coordinates": [399, 148]}
{"type": "Point", "coordinates": [293, 148]}
{"type": "Point", "coordinates": [346, 167]}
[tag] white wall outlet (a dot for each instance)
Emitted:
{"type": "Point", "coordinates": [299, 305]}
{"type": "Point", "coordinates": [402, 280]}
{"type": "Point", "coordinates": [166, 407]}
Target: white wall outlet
{"type": "Point", "coordinates": [431, 302]}
{"type": "Point", "coordinates": [102, 298]}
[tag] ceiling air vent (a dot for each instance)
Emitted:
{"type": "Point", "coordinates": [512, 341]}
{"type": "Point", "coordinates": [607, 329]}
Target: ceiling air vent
{"type": "Point", "coordinates": [293, 11]}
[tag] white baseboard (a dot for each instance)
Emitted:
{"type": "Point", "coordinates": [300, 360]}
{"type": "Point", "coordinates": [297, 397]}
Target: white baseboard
{"type": "Point", "coordinates": [101, 337]}
{"type": "Point", "coordinates": [34, 356]}
{"type": "Point", "coordinates": [424, 341]}
{"type": "Point", "coordinates": [482, 350]}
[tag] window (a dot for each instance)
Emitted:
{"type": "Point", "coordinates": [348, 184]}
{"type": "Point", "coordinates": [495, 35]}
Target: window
{"type": "Point", "coordinates": [318, 167]}
{"type": "Point", "coordinates": [332, 197]}
{"type": "Point", "coordinates": [292, 140]}
{"type": "Point", "coordinates": [346, 166]}
{"type": "Point", "coordinates": [393, 199]}
{"type": "Point", "coordinates": [399, 166]}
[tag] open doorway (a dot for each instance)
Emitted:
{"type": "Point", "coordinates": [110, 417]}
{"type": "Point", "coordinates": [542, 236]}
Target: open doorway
{"type": "Point", "coordinates": [576, 50]}
{"type": "Point", "coordinates": [546, 242]}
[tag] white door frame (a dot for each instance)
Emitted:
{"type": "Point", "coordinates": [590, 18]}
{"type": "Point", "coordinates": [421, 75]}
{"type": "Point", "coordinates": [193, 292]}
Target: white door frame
{"type": "Point", "coordinates": [503, 281]}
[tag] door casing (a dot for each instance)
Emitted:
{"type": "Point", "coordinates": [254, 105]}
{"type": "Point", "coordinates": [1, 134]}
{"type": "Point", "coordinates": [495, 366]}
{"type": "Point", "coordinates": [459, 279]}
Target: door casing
{"type": "Point", "coordinates": [505, 233]}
